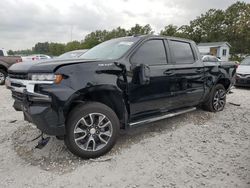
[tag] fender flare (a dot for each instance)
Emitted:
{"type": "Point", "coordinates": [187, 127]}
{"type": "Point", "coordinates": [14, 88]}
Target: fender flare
{"type": "Point", "coordinates": [79, 97]}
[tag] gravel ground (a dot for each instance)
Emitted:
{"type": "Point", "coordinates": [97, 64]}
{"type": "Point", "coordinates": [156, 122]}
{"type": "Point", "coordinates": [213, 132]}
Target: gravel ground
{"type": "Point", "coordinates": [198, 149]}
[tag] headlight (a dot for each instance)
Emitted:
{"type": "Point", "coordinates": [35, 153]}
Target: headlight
{"type": "Point", "coordinates": [56, 78]}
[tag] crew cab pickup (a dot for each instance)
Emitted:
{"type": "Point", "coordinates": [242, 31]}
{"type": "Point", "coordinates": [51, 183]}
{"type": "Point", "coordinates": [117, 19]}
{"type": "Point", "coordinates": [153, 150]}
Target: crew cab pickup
{"type": "Point", "coordinates": [5, 62]}
{"type": "Point", "coordinates": [119, 84]}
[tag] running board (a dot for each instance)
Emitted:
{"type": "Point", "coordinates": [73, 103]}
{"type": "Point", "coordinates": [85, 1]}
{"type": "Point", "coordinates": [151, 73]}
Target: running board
{"type": "Point", "coordinates": [168, 115]}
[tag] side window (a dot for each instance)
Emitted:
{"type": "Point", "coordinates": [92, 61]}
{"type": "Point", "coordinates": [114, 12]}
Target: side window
{"type": "Point", "coordinates": [42, 57]}
{"type": "Point", "coordinates": [152, 52]}
{"type": "Point", "coordinates": [1, 52]}
{"type": "Point", "coordinates": [182, 52]}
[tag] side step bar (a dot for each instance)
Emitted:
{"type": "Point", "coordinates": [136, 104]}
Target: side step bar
{"type": "Point", "coordinates": [157, 118]}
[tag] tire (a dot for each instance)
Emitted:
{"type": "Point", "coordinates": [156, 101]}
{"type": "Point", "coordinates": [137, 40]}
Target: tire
{"type": "Point", "coordinates": [3, 76]}
{"type": "Point", "coordinates": [91, 130]}
{"type": "Point", "coordinates": [217, 99]}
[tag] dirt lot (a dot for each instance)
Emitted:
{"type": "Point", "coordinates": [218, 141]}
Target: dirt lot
{"type": "Point", "coordinates": [198, 149]}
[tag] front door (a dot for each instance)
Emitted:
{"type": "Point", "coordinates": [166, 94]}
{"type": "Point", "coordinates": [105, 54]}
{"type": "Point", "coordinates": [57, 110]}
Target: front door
{"type": "Point", "coordinates": [154, 97]}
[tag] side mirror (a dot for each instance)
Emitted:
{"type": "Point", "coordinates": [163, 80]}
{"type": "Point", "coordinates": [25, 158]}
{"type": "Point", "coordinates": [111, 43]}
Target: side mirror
{"type": "Point", "coordinates": [144, 74]}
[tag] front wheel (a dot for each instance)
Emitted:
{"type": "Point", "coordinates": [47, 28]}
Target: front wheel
{"type": "Point", "coordinates": [217, 99]}
{"type": "Point", "coordinates": [91, 130]}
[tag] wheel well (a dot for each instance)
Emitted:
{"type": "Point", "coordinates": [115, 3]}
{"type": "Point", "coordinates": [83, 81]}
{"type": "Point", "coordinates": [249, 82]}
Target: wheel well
{"type": "Point", "coordinates": [225, 82]}
{"type": "Point", "coordinates": [3, 68]}
{"type": "Point", "coordinates": [112, 99]}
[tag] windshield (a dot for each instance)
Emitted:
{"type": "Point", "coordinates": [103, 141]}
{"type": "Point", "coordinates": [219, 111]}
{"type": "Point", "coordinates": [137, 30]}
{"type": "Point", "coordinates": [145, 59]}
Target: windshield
{"type": "Point", "coordinates": [112, 49]}
{"type": "Point", "coordinates": [72, 54]}
{"type": "Point", "coordinates": [246, 61]}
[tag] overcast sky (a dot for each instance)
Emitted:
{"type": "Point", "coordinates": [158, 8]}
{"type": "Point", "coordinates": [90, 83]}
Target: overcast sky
{"type": "Point", "coordinates": [26, 22]}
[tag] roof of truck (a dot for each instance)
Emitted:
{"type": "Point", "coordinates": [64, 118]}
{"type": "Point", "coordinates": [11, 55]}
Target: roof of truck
{"type": "Point", "coordinates": [162, 37]}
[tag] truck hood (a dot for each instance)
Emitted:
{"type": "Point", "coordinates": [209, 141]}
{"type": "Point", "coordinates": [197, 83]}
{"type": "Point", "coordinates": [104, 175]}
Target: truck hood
{"type": "Point", "coordinates": [243, 69]}
{"type": "Point", "coordinates": [45, 65]}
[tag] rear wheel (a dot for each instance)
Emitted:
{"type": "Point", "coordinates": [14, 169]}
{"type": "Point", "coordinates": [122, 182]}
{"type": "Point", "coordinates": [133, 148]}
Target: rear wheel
{"type": "Point", "coordinates": [91, 130]}
{"type": "Point", "coordinates": [3, 76]}
{"type": "Point", "coordinates": [217, 99]}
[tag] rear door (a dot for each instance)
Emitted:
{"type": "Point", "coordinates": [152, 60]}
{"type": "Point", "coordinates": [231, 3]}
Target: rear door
{"type": "Point", "coordinates": [189, 72]}
{"type": "Point", "coordinates": [154, 97]}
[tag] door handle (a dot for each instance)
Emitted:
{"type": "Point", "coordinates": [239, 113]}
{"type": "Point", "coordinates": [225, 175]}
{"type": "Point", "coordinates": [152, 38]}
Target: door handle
{"type": "Point", "coordinates": [169, 72]}
{"type": "Point", "coordinates": [199, 70]}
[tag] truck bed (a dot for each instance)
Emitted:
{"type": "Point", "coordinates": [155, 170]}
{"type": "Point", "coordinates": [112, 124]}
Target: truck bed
{"type": "Point", "coordinates": [10, 60]}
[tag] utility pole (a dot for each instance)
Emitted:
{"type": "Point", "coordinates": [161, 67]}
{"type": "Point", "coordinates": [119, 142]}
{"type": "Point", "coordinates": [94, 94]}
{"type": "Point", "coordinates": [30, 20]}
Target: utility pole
{"type": "Point", "coordinates": [71, 28]}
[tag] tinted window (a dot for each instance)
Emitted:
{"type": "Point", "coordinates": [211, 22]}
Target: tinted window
{"type": "Point", "coordinates": [1, 52]}
{"type": "Point", "coordinates": [151, 52]}
{"type": "Point", "coordinates": [42, 57]}
{"type": "Point", "coordinates": [182, 52]}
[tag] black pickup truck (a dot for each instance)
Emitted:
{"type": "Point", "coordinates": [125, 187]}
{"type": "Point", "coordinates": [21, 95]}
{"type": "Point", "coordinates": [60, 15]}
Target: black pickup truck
{"type": "Point", "coordinates": [118, 84]}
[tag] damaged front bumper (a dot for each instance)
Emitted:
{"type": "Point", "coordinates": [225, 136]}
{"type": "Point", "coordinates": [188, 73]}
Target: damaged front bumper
{"type": "Point", "coordinates": [37, 108]}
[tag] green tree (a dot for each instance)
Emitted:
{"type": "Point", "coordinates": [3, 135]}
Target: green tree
{"type": "Point", "coordinates": [56, 49]}
{"type": "Point", "coordinates": [41, 47]}
{"type": "Point", "coordinates": [140, 30]}
{"type": "Point", "coordinates": [115, 33]}
{"type": "Point", "coordinates": [237, 32]}
{"type": "Point", "coordinates": [184, 31]}
{"type": "Point", "coordinates": [11, 52]}
{"type": "Point", "coordinates": [231, 25]}
{"type": "Point", "coordinates": [74, 45]}
{"type": "Point", "coordinates": [172, 30]}
{"type": "Point", "coordinates": [208, 27]}
{"type": "Point", "coordinates": [94, 38]}
{"type": "Point", "coordinates": [169, 30]}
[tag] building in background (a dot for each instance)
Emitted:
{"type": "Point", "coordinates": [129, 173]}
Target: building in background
{"type": "Point", "coordinates": [218, 49]}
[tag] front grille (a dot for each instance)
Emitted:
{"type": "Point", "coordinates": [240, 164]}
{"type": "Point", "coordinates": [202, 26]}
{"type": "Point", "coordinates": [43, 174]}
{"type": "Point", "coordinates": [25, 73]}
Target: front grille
{"type": "Point", "coordinates": [17, 85]}
{"type": "Point", "coordinates": [21, 76]}
{"type": "Point", "coordinates": [17, 95]}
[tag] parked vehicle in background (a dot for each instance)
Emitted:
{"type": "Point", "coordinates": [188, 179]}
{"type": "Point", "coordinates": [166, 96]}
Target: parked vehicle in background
{"type": "Point", "coordinates": [5, 62]}
{"type": "Point", "coordinates": [213, 59]}
{"type": "Point", "coordinates": [118, 84]}
{"type": "Point", "coordinates": [35, 57]}
{"type": "Point", "coordinates": [210, 58]}
{"type": "Point", "coordinates": [72, 54]}
{"type": "Point", "coordinates": [243, 73]}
